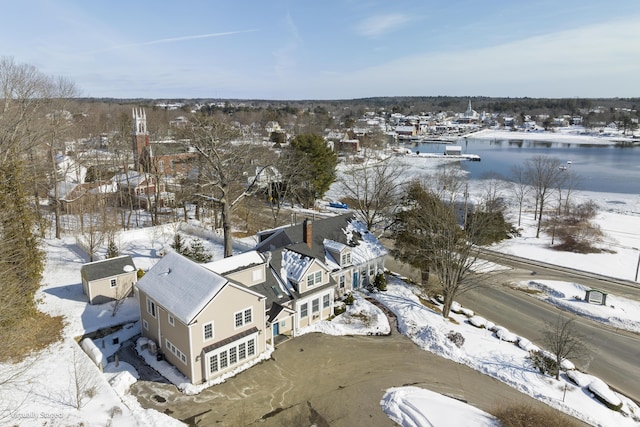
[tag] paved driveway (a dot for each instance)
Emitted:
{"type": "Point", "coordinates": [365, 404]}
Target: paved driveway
{"type": "Point", "coordinates": [327, 381]}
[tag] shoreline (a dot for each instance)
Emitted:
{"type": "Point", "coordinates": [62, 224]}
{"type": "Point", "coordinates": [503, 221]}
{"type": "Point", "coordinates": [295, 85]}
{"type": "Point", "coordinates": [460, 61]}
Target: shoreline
{"type": "Point", "coordinates": [563, 137]}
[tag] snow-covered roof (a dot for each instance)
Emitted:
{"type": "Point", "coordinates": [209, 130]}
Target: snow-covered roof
{"type": "Point", "coordinates": [234, 263]}
{"type": "Point", "coordinates": [132, 178]}
{"type": "Point", "coordinates": [368, 247]}
{"type": "Point", "coordinates": [332, 245]}
{"type": "Point", "coordinates": [294, 265]}
{"type": "Point", "coordinates": [181, 286]}
{"type": "Point", "coordinates": [109, 267]}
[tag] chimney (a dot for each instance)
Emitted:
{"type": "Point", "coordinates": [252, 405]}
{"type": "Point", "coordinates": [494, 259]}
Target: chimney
{"type": "Point", "coordinates": [307, 234]}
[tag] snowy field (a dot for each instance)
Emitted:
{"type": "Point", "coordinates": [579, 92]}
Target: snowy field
{"type": "Point", "coordinates": [42, 392]}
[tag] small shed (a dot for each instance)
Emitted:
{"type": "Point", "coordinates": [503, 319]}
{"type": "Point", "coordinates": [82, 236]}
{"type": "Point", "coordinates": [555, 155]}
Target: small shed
{"type": "Point", "coordinates": [109, 279]}
{"type": "Point", "coordinates": [453, 150]}
{"type": "Point", "coordinates": [596, 296]}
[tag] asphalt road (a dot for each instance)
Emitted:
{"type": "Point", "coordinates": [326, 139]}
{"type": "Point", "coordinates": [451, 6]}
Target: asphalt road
{"type": "Point", "coordinates": [324, 380]}
{"type": "Point", "coordinates": [614, 355]}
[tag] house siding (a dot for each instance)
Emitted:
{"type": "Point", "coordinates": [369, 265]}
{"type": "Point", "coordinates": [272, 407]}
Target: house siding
{"type": "Point", "coordinates": [249, 277]}
{"type": "Point", "coordinates": [221, 311]}
{"type": "Point", "coordinates": [100, 291]}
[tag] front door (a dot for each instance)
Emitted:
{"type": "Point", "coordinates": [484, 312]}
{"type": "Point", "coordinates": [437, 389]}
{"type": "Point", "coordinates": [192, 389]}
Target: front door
{"type": "Point", "coordinates": [355, 280]}
{"type": "Point", "coordinates": [276, 329]}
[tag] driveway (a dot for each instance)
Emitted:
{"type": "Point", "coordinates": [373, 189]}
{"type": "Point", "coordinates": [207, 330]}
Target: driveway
{"type": "Point", "coordinates": [327, 381]}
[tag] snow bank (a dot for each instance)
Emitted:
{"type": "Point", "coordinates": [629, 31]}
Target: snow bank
{"type": "Point", "coordinates": [94, 352]}
{"type": "Point", "coordinates": [417, 407]}
{"type": "Point", "coordinates": [605, 394]}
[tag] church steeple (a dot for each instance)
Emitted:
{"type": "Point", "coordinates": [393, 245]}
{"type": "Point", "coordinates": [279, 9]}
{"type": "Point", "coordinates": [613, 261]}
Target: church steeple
{"type": "Point", "coordinates": [140, 137]}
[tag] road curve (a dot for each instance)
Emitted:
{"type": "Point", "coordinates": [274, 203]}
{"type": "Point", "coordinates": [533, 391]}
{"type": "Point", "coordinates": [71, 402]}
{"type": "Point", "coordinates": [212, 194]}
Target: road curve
{"type": "Point", "coordinates": [614, 354]}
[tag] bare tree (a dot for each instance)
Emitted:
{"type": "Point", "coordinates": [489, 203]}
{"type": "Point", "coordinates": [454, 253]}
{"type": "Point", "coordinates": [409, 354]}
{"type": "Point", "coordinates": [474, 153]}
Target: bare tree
{"type": "Point", "coordinates": [448, 183]}
{"type": "Point", "coordinates": [373, 189]}
{"type": "Point", "coordinates": [429, 237]}
{"type": "Point", "coordinates": [544, 174]}
{"type": "Point", "coordinates": [563, 341]}
{"type": "Point", "coordinates": [82, 383]}
{"type": "Point", "coordinates": [225, 163]}
{"type": "Point", "coordinates": [58, 122]}
{"type": "Point", "coordinates": [520, 187]}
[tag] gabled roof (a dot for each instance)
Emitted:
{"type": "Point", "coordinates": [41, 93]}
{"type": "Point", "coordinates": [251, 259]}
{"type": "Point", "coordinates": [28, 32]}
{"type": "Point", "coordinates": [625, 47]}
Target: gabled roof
{"type": "Point", "coordinates": [107, 268]}
{"type": "Point", "coordinates": [340, 231]}
{"type": "Point", "coordinates": [235, 263]}
{"type": "Point", "coordinates": [181, 286]}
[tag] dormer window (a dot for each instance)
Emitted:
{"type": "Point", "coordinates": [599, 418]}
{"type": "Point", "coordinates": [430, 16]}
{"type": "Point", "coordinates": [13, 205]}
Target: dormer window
{"type": "Point", "coordinates": [314, 279]}
{"type": "Point", "coordinates": [345, 259]}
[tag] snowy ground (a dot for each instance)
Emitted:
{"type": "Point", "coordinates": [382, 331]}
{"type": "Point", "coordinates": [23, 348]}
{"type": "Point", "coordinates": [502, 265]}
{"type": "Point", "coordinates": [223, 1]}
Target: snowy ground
{"type": "Point", "coordinates": [43, 392]}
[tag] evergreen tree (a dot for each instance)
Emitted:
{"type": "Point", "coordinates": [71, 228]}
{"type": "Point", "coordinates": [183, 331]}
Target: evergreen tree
{"type": "Point", "coordinates": [198, 252]}
{"type": "Point", "coordinates": [178, 243]}
{"type": "Point", "coordinates": [320, 167]}
{"type": "Point", "coordinates": [21, 259]}
{"type": "Point", "coordinates": [112, 248]}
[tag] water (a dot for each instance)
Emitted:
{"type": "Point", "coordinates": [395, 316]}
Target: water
{"type": "Point", "coordinates": [601, 168]}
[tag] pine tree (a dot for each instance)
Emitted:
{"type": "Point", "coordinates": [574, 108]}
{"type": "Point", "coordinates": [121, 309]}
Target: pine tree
{"type": "Point", "coordinates": [112, 249]}
{"type": "Point", "coordinates": [178, 243]}
{"type": "Point", "coordinates": [198, 252]}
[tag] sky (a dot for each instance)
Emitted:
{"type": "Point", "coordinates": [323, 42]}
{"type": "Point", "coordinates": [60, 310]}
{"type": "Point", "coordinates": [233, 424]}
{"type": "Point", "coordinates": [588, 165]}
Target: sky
{"type": "Point", "coordinates": [292, 50]}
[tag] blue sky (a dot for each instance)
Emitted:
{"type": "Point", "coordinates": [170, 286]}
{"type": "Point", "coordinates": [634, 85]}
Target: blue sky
{"type": "Point", "coordinates": [330, 49]}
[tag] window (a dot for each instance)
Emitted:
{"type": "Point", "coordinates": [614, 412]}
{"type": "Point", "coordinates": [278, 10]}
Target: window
{"type": "Point", "coordinates": [314, 279]}
{"type": "Point", "coordinates": [213, 363]}
{"type": "Point", "coordinates": [208, 330]}
{"type": "Point", "coordinates": [370, 269]}
{"type": "Point", "coordinates": [283, 323]}
{"type": "Point", "coordinates": [233, 355]}
{"type": "Point", "coordinates": [172, 348]}
{"type": "Point", "coordinates": [242, 351]}
{"type": "Point", "coordinates": [113, 283]}
{"type": "Point", "coordinates": [172, 321]}
{"type": "Point", "coordinates": [325, 301]}
{"type": "Point", "coordinates": [303, 310]}
{"type": "Point", "coordinates": [151, 307]}
{"type": "Point", "coordinates": [243, 317]}
{"type": "Point", "coordinates": [315, 305]}
{"type": "Point", "coordinates": [345, 259]}
{"type": "Point", "coordinates": [342, 281]}
{"type": "Point", "coordinates": [223, 360]}
{"type": "Point", "coordinates": [145, 324]}
{"type": "Point", "coordinates": [251, 347]}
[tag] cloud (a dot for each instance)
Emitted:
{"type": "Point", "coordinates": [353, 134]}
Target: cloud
{"type": "Point", "coordinates": [174, 39]}
{"type": "Point", "coordinates": [591, 61]}
{"type": "Point", "coordinates": [381, 24]}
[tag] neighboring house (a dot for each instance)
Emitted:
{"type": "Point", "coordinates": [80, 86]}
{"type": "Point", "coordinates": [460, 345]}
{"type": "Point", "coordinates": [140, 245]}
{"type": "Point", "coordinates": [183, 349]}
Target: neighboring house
{"type": "Point", "coordinates": [343, 244]}
{"type": "Point", "coordinates": [201, 322]}
{"type": "Point", "coordinates": [109, 279]}
{"type": "Point", "coordinates": [298, 288]}
{"type": "Point", "coordinates": [143, 188]}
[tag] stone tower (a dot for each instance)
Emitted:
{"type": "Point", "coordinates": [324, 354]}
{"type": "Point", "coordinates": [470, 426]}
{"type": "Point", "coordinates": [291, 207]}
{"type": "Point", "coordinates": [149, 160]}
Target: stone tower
{"type": "Point", "coordinates": [140, 138]}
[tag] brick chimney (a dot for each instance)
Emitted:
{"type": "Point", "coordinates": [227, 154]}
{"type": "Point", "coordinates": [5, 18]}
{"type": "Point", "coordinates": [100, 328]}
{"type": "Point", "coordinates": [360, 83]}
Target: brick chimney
{"type": "Point", "coordinates": [307, 234]}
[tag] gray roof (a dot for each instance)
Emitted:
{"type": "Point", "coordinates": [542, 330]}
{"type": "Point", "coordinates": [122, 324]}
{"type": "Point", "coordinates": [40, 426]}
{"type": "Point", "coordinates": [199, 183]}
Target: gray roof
{"type": "Point", "coordinates": [107, 268]}
{"type": "Point", "coordinates": [327, 228]}
{"type": "Point", "coordinates": [181, 286]}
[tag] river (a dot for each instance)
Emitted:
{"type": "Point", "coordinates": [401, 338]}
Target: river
{"type": "Point", "coordinates": [609, 169]}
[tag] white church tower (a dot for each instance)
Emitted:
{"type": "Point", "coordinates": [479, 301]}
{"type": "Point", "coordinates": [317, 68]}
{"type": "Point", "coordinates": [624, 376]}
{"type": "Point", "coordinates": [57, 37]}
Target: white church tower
{"type": "Point", "coordinates": [140, 137]}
